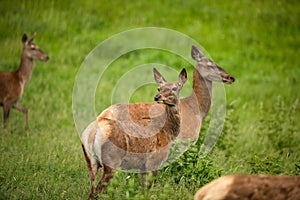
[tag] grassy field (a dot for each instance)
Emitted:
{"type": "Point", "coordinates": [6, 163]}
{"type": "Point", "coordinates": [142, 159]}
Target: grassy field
{"type": "Point", "coordinates": [256, 41]}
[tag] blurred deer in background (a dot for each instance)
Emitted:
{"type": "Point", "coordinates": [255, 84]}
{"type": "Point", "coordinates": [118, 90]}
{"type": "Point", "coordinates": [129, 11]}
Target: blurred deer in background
{"type": "Point", "coordinates": [195, 107]}
{"type": "Point", "coordinates": [120, 143]}
{"type": "Point", "coordinates": [12, 84]}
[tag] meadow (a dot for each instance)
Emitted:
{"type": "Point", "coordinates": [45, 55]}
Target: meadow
{"type": "Point", "coordinates": [256, 41]}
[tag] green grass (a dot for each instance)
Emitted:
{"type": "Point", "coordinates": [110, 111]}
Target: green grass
{"type": "Point", "coordinates": [256, 41]}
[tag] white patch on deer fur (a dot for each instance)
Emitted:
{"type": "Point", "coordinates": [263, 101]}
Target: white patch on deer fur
{"type": "Point", "coordinates": [85, 137]}
{"type": "Point", "coordinates": [209, 63]}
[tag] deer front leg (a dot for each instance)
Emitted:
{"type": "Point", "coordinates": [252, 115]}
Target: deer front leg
{"type": "Point", "coordinates": [6, 109]}
{"type": "Point", "coordinates": [154, 174]}
{"type": "Point", "coordinates": [144, 179]}
{"type": "Point", "coordinates": [24, 110]}
{"type": "Point", "coordinates": [106, 176]}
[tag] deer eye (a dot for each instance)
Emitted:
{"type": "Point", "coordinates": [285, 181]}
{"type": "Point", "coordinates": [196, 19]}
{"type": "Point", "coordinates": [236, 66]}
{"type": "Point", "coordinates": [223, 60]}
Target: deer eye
{"type": "Point", "coordinates": [174, 88]}
{"type": "Point", "coordinates": [158, 89]}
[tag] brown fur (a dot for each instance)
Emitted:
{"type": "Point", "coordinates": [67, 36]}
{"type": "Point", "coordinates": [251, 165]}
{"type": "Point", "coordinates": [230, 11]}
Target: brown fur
{"type": "Point", "coordinates": [12, 84]}
{"type": "Point", "coordinates": [254, 187]}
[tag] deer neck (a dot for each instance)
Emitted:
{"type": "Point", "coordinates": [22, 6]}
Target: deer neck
{"type": "Point", "coordinates": [173, 120]}
{"type": "Point", "coordinates": [202, 89]}
{"type": "Point", "coordinates": [25, 70]}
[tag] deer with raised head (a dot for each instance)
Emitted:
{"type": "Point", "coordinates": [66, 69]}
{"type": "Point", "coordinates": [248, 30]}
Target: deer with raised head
{"type": "Point", "coordinates": [128, 138]}
{"type": "Point", "coordinates": [12, 84]}
{"type": "Point", "coordinates": [195, 107]}
{"type": "Point", "coordinates": [254, 187]}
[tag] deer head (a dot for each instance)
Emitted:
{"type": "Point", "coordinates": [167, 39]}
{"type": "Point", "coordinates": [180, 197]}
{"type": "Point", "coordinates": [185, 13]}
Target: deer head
{"type": "Point", "coordinates": [31, 50]}
{"type": "Point", "coordinates": [169, 91]}
{"type": "Point", "coordinates": [208, 69]}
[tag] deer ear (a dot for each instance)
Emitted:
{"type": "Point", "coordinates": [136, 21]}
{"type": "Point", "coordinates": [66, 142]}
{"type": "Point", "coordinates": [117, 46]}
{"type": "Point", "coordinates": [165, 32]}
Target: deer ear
{"type": "Point", "coordinates": [24, 38]}
{"type": "Point", "coordinates": [196, 53]}
{"type": "Point", "coordinates": [32, 38]}
{"type": "Point", "coordinates": [182, 76]}
{"type": "Point", "coordinates": [158, 77]}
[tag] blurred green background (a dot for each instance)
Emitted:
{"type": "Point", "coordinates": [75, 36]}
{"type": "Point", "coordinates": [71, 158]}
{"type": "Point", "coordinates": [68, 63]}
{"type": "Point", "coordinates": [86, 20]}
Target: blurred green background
{"type": "Point", "coordinates": [256, 41]}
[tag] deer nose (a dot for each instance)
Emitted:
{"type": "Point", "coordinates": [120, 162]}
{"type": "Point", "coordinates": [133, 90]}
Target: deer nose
{"type": "Point", "coordinates": [157, 97]}
{"type": "Point", "coordinates": [232, 78]}
{"type": "Point", "coordinates": [45, 58]}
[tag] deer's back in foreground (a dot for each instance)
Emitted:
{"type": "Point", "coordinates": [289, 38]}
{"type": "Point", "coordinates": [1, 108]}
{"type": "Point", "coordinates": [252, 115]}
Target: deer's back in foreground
{"type": "Point", "coordinates": [254, 187]}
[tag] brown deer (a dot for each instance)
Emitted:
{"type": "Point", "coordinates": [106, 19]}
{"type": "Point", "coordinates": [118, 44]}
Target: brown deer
{"type": "Point", "coordinates": [12, 84]}
{"type": "Point", "coordinates": [195, 107]}
{"type": "Point", "coordinates": [254, 187]}
{"type": "Point", "coordinates": [128, 138]}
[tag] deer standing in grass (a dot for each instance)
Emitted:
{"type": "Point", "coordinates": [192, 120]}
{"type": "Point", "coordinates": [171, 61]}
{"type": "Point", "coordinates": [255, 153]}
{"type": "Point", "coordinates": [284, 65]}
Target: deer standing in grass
{"type": "Point", "coordinates": [12, 84]}
{"type": "Point", "coordinates": [128, 138]}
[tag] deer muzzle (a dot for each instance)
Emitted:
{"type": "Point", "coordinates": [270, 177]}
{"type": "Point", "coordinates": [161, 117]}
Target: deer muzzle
{"type": "Point", "coordinates": [157, 97]}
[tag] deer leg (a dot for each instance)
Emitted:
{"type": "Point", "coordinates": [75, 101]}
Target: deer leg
{"type": "Point", "coordinates": [144, 179]}
{"type": "Point", "coordinates": [153, 163]}
{"type": "Point", "coordinates": [6, 110]}
{"type": "Point", "coordinates": [93, 171]}
{"type": "Point", "coordinates": [24, 110]}
{"type": "Point", "coordinates": [154, 174]}
{"type": "Point", "coordinates": [106, 176]}
{"type": "Point", "coordinates": [93, 167]}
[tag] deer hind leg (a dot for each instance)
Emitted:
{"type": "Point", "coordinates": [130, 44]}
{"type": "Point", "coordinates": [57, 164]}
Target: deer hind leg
{"type": "Point", "coordinates": [106, 176]}
{"type": "Point", "coordinates": [24, 110]}
{"type": "Point", "coordinates": [93, 167]}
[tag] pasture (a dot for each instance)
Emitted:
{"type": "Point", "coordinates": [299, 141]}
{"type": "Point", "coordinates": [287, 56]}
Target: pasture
{"type": "Point", "coordinates": [256, 41]}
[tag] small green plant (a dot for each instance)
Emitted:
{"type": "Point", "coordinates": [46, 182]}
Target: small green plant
{"type": "Point", "coordinates": [192, 170]}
